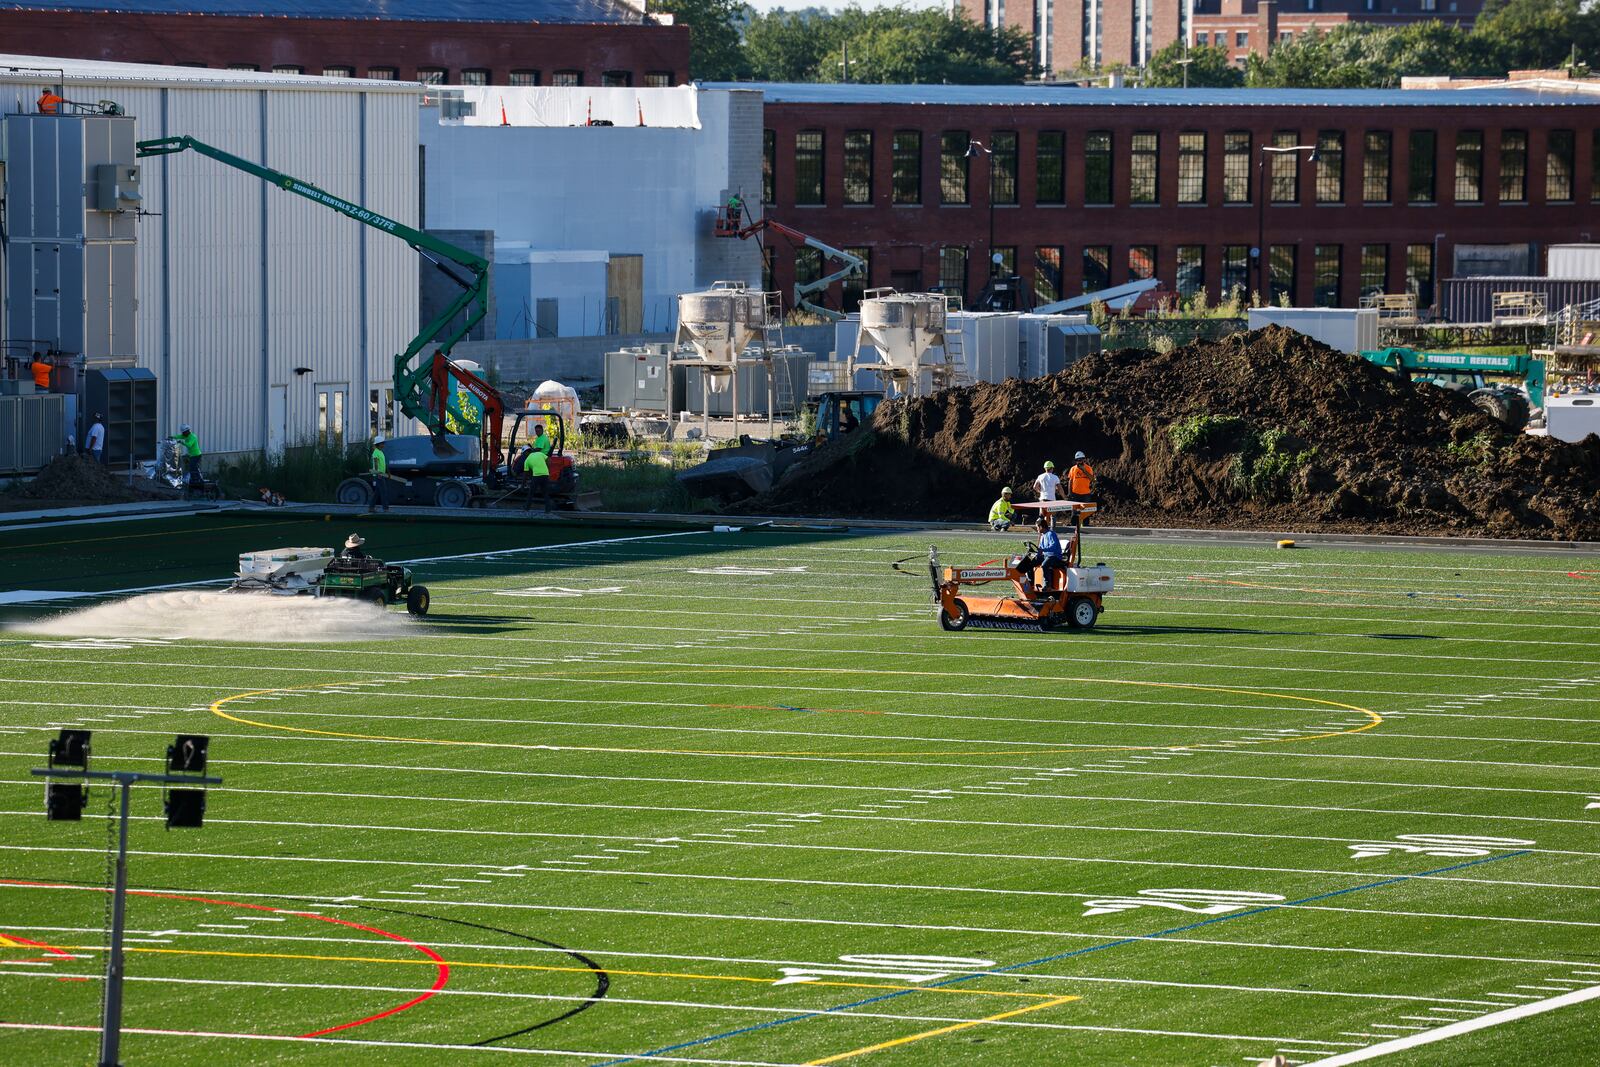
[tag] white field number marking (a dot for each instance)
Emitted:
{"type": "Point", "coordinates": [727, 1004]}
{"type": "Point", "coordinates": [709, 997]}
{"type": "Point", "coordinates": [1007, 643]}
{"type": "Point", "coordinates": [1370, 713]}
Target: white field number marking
{"type": "Point", "coordinates": [1594, 802]}
{"type": "Point", "coordinates": [558, 590]}
{"type": "Point", "coordinates": [898, 968]}
{"type": "Point", "coordinates": [1197, 901]}
{"type": "Point", "coordinates": [746, 572]}
{"type": "Point", "coordinates": [1445, 846]}
{"type": "Point", "coordinates": [102, 642]}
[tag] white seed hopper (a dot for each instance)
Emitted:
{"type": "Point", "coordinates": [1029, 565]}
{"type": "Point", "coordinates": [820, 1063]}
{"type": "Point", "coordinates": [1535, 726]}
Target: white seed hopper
{"type": "Point", "coordinates": [281, 570]}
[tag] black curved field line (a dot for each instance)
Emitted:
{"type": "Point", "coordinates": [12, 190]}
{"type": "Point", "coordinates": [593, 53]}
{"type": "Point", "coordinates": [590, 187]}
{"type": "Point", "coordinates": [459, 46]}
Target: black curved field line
{"type": "Point", "coordinates": [602, 980]}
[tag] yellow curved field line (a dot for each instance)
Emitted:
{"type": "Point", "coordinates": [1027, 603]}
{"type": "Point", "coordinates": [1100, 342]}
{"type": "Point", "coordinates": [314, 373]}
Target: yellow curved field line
{"type": "Point", "coordinates": [1373, 719]}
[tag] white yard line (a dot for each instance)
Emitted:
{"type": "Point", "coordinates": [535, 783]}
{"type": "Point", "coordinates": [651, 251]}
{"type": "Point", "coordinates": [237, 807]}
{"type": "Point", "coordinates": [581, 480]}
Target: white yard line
{"type": "Point", "coordinates": [1465, 1026]}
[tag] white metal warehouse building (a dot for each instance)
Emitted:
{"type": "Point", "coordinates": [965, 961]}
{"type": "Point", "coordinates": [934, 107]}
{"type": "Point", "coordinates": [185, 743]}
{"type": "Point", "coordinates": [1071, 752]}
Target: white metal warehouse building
{"type": "Point", "coordinates": [267, 319]}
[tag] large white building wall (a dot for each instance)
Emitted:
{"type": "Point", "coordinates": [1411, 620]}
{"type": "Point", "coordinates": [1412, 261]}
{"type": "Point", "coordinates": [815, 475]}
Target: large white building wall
{"type": "Point", "coordinates": [617, 189]}
{"type": "Point", "coordinates": [241, 283]}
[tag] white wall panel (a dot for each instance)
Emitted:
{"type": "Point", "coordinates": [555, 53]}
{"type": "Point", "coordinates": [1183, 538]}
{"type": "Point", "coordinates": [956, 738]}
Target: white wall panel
{"type": "Point", "coordinates": [392, 267]}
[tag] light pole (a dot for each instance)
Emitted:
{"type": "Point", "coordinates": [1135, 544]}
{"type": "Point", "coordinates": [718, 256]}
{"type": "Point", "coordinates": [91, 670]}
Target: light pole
{"type": "Point", "coordinates": [1263, 285]}
{"type": "Point", "coordinates": [976, 148]}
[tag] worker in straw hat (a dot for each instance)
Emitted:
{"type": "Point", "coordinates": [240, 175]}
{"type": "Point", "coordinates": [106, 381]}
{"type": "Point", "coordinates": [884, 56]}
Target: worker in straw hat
{"type": "Point", "coordinates": [1048, 485]}
{"type": "Point", "coordinates": [1002, 515]}
{"type": "Point", "coordinates": [352, 547]}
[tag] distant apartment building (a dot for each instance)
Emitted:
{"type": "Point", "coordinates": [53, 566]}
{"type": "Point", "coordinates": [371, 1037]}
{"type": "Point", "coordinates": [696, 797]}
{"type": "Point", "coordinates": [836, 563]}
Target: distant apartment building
{"type": "Point", "coordinates": [1070, 35]}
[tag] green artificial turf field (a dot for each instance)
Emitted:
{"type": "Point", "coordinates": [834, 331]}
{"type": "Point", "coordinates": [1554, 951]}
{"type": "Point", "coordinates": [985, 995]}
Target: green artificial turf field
{"type": "Point", "coordinates": [638, 795]}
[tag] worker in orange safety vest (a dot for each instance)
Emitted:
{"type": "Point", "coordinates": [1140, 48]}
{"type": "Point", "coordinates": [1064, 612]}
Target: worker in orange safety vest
{"type": "Point", "coordinates": [1080, 479]}
{"type": "Point", "coordinates": [50, 103]}
{"type": "Point", "coordinates": [41, 373]}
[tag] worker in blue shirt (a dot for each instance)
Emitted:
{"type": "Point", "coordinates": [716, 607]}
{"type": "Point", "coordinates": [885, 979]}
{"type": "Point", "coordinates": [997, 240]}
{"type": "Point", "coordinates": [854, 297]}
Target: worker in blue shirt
{"type": "Point", "coordinates": [1047, 559]}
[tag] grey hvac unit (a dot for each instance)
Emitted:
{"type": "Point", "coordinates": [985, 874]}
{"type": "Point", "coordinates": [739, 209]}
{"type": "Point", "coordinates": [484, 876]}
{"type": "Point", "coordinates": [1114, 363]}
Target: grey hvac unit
{"type": "Point", "coordinates": [33, 431]}
{"type": "Point", "coordinates": [127, 399]}
{"type": "Point", "coordinates": [790, 365]}
{"type": "Point", "coordinates": [72, 202]}
{"type": "Point", "coordinates": [637, 378]}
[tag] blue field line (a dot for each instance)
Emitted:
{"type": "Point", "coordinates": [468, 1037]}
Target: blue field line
{"type": "Point", "coordinates": [802, 1017]}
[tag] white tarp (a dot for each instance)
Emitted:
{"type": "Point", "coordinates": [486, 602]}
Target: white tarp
{"type": "Point", "coordinates": [540, 105]}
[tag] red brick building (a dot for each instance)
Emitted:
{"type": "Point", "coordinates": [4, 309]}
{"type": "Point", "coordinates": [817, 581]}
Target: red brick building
{"type": "Point", "coordinates": [1071, 35]}
{"type": "Point", "coordinates": [490, 42]}
{"type": "Point", "coordinates": [1084, 188]}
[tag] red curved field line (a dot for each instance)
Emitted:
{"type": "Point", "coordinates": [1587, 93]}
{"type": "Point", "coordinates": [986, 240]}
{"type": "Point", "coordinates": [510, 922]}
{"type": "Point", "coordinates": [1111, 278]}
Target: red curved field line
{"type": "Point", "coordinates": [440, 978]}
{"type": "Point", "coordinates": [1584, 576]}
{"type": "Point", "coordinates": [51, 949]}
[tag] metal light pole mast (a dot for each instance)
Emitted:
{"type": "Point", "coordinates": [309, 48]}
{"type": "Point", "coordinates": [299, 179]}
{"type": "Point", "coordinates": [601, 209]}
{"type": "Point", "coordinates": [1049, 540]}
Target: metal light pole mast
{"type": "Point", "coordinates": [1263, 282]}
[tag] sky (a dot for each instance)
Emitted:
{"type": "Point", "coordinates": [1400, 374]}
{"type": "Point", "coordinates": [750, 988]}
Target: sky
{"type": "Point", "coordinates": [768, 5]}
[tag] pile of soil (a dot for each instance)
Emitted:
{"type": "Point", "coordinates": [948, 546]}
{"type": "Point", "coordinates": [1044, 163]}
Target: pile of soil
{"type": "Point", "coordinates": [73, 480]}
{"type": "Point", "coordinates": [1266, 430]}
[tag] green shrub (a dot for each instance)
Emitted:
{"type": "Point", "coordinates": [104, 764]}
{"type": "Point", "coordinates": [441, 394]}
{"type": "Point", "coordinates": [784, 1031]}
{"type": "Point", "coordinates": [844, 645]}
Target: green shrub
{"type": "Point", "coordinates": [1267, 468]}
{"type": "Point", "coordinates": [1200, 433]}
{"type": "Point", "coordinates": [1476, 451]}
{"type": "Point", "coordinates": [306, 472]}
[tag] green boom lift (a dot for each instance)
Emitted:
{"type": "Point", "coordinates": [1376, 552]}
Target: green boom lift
{"type": "Point", "coordinates": [1465, 372]}
{"type": "Point", "coordinates": [423, 389]}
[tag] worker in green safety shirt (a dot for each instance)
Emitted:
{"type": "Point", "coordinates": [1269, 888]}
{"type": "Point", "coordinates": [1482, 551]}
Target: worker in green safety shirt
{"type": "Point", "coordinates": [191, 448]}
{"type": "Point", "coordinates": [380, 476]}
{"type": "Point", "coordinates": [537, 468]}
{"type": "Point", "coordinates": [541, 440]}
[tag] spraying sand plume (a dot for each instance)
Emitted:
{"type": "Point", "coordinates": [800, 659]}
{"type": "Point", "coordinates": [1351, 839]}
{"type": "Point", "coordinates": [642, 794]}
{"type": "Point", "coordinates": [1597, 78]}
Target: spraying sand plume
{"type": "Point", "coordinates": [208, 614]}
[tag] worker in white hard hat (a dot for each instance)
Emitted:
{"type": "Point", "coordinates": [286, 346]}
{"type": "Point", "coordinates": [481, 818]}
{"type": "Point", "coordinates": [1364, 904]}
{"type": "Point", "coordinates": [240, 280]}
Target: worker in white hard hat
{"type": "Point", "coordinates": [1002, 515]}
{"type": "Point", "coordinates": [352, 547]}
{"type": "Point", "coordinates": [379, 473]}
{"type": "Point", "coordinates": [1080, 479]}
{"type": "Point", "coordinates": [191, 450]}
{"type": "Point", "coordinates": [1048, 485]}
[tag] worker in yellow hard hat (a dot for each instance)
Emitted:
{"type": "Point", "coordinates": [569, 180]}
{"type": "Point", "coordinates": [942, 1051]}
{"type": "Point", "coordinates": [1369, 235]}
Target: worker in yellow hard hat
{"type": "Point", "coordinates": [1048, 484]}
{"type": "Point", "coordinates": [1002, 515]}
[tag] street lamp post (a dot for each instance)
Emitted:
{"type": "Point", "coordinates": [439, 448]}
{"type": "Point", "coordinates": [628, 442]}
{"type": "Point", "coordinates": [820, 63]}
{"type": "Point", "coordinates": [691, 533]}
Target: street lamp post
{"type": "Point", "coordinates": [1263, 284]}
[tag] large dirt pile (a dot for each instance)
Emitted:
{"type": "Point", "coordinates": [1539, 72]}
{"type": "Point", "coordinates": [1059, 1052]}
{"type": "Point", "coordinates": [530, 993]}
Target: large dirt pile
{"type": "Point", "coordinates": [1267, 429]}
{"type": "Point", "coordinates": [73, 479]}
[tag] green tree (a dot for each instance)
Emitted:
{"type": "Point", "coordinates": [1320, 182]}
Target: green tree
{"type": "Point", "coordinates": [1313, 60]}
{"type": "Point", "coordinates": [887, 45]}
{"type": "Point", "coordinates": [715, 51]}
{"type": "Point", "coordinates": [1539, 34]}
{"type": "Point", "coordinates": [1209, 67]}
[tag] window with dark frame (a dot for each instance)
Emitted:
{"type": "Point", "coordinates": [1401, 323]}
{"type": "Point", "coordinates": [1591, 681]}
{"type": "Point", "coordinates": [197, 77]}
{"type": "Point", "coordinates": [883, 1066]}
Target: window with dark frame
{"type": "Point", "coordinates": [1097, 167]}
{"type": "Point", "coordinates": [1559, 166]}
{"type": "Point", "coordinates": [1141, 262]}
{"type": "Point", "coordinates": [432, 75]}
{"type": "Point", "coordinates": [769, 166]}
{"type": "Point", "coordinates": [338, 72]}
{"type": "Point", "coordinates": [905, 182]}
{"type": "Point", "coordinates": [1281, 263]}
{"type": "Point", "coordinates": [1191, 276]}
{"type": "Point", "coordinates": [1191, 168]}
{"type": "Point", "coordinates": [954, 166]}
{"type": "Point", "coordinates": [1235, 270]}
{"type": "Point", "coordinates": [1003, 167]}
{"type": "Point", "coordinates": [1047, 274]}
{"type": "Point", "coordinates": [566, 78]}
{"type": "Point", "coordinates": [382, 74]}
{"type": "Point", "coordinates": [808, 168]}
{"type": "Point", "coordinates": [1419, 273]}
{"type": "Point", "coordinates": [288, 68]}
{"type": "Point", "coordinates": [1325, 279]}
{"type": "Point", "coordinates": [1422, 183]}
{"type": "Point", "coordinates": [1469, 167]}
{"type": "Point", "coordinates": [1096, 268]}
{"type": "Point", "coordinates": [1144, 168]}
{"type": "Point", "coordinates": [523, 78]}
{"type": "Point", "coordinates": [855, 286]}
{"type": "Point", "coordinates": [1376, 163]}
{"type": "Point", "coordinates": [616, 79]}
{"type": "Point", "coordinates": [1008, 260]}
{"type": "Point", "coordinates": [1285, 168]}
{"type": "Point", "coordinates": [1236, 167]}
{"type": "Point", "coordinates": [953, 269]}
{"type": "Point", "coordinates": [1330, 167]}
{"type": "Point", "coordinates": [1374, 270]}
{"type": "Point", "coordinates": [1513, 166]}
{"type": "Point", "coordinates": [1050, 168]}
{"type": "Point", "coordinates": [475, 76]}
{"type": "Point", "coordinates": [807, 267]}
{"type": "Point", "coordinates": [658, 79]}
{"type": "Point", "coordinates": [858, 167]}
